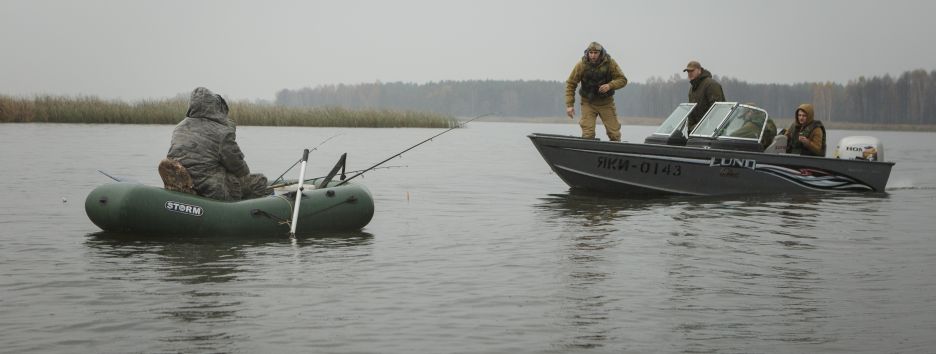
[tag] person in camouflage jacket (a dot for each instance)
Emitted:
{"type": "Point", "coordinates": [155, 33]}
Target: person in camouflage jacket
{"type": "Point", "coordinates": [204, 144]}
{"type": "Point", "coordinates": [600, 76]}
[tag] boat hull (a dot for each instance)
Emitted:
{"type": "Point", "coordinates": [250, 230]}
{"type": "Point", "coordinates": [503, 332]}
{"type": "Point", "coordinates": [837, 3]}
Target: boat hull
{"type": "Point", "coordinates": [140, 209]}
{"type": "Point", "coordinates": [648, 169]}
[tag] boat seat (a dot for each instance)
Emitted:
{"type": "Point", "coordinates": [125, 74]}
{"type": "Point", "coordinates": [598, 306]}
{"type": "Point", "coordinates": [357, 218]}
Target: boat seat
{"type": "Point", "coordinates": [175, 177]}
{"type": "Point", "coordinates": [778, 146]}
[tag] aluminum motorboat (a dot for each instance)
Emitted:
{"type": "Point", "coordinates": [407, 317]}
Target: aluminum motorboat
{"type": "Point", "coordinates": [724, 154]}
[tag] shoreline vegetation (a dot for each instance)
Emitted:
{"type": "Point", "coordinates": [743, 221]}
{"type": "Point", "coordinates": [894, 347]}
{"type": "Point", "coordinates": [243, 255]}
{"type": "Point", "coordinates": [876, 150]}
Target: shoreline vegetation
{"type": "Point", "coordinates": [93, 110]}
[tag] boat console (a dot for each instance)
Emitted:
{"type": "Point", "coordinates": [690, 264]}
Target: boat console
{"type": "Point", "coordinates": [743, 127]}
{"type": "Point", "coordinates": [726, 125]}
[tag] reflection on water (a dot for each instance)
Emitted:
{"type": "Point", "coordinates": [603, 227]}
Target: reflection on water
{"type": "Point", "coordinates": [190, 260]}
{"type": "Point", "coordinates": [733, 268]}
{"type": "Point", "coordinates": [185, 268]}
{"type": "Point", "coordinates": [747, 268]}
{"type": "Point", "coordinates": [588, 224]}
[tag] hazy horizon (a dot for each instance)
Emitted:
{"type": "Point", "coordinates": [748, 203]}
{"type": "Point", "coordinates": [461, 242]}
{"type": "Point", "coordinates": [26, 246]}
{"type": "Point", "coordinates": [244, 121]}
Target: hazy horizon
{"type": "Point", "coordinates": [250, 50]}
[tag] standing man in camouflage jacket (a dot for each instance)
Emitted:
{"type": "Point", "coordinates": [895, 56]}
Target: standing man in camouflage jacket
{"type": "Point", "coordinates": [704, 91]}
{"type": "Point", "coordinates": [600, 76]}
{"type": "Point", "coordinates": [204, 144]}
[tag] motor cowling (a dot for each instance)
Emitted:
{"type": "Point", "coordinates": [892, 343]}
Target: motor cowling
{"type": "Point", "coordinates": [859, 148]}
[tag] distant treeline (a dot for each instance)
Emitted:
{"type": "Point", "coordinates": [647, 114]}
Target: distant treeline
{"type": "Point", "coordinates": [54, 109]}
{"type": "Point", "coordinates": [908, 99]}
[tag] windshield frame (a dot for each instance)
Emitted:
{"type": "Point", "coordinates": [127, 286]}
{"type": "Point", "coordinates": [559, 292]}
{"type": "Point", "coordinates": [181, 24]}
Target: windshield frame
{"type": "Point", "coordinates": [676, 120]}
{"type": "Point", "coordinates": [737, 115]}
{"type": "Point", "coordinates": [713, 120]}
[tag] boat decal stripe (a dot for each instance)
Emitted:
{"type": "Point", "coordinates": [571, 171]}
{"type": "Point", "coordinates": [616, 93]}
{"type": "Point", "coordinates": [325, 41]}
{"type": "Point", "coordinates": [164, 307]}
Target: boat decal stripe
{"type": "Point", "coordinates": [816, 179]}
{"type": "Point", "coordinates": [646, 186]}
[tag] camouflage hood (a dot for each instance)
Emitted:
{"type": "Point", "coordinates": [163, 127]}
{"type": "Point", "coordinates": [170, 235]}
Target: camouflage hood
{"type": "Point", "coordinates": [207, 104]}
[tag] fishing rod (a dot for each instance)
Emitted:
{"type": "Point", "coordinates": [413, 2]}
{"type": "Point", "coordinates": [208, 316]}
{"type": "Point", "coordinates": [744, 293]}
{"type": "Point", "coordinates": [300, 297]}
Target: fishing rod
{"type": "Point", "coordinates": [300, 160]}
{"type": "Point", "coordinates": [118, 179]}
{"type": "Point", "coordinates": [111, 177]}
{"type": "Point", "coordinates": [289, 183]}
{"type": "Point", "coordinates": [410, 148]}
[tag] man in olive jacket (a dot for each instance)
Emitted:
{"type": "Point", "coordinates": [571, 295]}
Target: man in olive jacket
{"type": "Point", "coordinates": [600, 76]}
{"type": "Point", "coordinates": [204, 143]}
{"type": "Point", "coordinates": [704, 91]}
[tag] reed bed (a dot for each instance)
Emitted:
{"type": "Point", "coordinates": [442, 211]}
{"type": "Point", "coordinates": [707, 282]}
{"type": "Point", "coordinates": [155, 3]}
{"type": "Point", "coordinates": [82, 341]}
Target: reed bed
{"type": "Point", "coordinates": [59, 109]}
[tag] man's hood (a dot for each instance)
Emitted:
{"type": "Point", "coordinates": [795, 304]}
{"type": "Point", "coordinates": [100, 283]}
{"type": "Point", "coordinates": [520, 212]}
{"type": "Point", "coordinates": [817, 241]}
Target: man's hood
{"type": "Point", "coordinates": [207, 104]}
{"type": "Point", "coordinates": [808, 108]}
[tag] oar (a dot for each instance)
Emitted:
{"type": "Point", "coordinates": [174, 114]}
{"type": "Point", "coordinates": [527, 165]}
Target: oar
{"type": "Point", "coordinates": [295, 217]}
{"type": "Point", "coordinates": [410, 148]}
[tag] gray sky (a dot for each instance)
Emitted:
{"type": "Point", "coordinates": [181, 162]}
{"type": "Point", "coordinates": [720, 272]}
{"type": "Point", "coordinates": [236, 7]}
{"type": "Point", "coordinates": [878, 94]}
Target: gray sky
{"type": "Point", "coordinates": [251, 49]}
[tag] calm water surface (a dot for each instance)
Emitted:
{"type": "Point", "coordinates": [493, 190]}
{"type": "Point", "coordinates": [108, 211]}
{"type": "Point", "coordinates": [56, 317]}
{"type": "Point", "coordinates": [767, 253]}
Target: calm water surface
{"type": "Point", "coordinates": [476, 247]}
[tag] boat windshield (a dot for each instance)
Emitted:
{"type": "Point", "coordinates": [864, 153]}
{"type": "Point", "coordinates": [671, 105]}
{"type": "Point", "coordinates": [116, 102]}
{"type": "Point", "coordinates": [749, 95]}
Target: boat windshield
{"type": "Point", "coordinates": [745, 122]}
{"type": "Point", "coordinates": [676, 120]}
{"type": "Point", "coordinates": [713, 119]}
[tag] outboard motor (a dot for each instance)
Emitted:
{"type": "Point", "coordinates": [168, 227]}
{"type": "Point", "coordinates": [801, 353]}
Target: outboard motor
{"type": "Point", "coordinates": [859, 148]}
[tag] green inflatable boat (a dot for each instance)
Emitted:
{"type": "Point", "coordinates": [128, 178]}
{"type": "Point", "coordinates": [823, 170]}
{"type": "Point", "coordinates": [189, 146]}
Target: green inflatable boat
{"type": "Point", "coordinates": [129, 207]}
